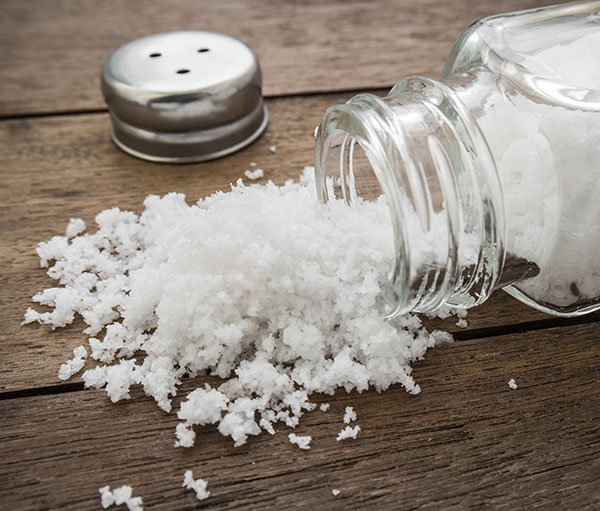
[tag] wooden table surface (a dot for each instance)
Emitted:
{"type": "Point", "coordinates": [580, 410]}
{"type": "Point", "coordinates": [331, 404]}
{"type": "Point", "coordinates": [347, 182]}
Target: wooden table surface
{"type": "Point", "coordinates": [467, 441]}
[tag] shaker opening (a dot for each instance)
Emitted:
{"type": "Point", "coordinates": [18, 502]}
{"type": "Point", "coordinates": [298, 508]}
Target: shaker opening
{"type": "Point", "coordinates": [347, 172]}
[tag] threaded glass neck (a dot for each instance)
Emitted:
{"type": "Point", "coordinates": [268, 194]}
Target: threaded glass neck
{"type": "Point", "coordinates": [420, 149]}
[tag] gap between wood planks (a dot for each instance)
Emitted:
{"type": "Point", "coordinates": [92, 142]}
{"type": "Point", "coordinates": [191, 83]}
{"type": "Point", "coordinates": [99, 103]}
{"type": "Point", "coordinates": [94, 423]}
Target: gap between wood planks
{"type": "Point", "coordinates": [378, 91]}
{"type": "Point", "coordinates": [468, 335]}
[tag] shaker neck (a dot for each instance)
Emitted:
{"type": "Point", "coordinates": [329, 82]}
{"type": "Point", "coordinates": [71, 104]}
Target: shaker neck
{"type": "Point", "coordinates": [420, 147]}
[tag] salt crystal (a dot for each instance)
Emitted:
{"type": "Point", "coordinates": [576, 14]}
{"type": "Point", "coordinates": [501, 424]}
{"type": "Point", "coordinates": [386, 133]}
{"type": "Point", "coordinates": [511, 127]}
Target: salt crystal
{"type": "Point", "coordinates": [73, 366]}
{"type": "Point", "coordinates": [349, 415]}
{"type": "Point", "coordinates": [76, 226]}
{"type": "Point", "coordinates": [107, 499]}
{"type": "Point", "coordinates": [512, 384]}
{"type": "Point", "coordinates": [197, 485]}
{"type": "Point", "coordinates": [253, 164]}
{"type": "Point", "coordinates": [462, 323]}
{"type": "Point", "coordinates": [324, 407]}
{"type": "Point", "coordinates": [301, 441]}
{"type": "Point", "coordinates": [186, 436]}
{"type": "Point", "coordinates": [122, 494]}
{"type": "Point", "coordinates": [348, 432]}
{"type": "Point", "coordinates": [273, 148]}
{"type": "Point", "coordinates": [254, 174]}
{"type": "Point", "coordinates": [118, 496]}
{"type": "Point", "coordinates": [135, 504]}
{"type": "Point", "coordinates": [335, 492]}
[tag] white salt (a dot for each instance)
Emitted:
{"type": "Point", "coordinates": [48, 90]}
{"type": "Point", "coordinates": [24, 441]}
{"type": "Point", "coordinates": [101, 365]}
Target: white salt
{"type": "Point", "coordinates": [324, 407]}
{"type": "Point", "coordinates": [348, 432]}
{"type": "Point", "coordinates": [253, 164]}
{"type": "Point", "coordinates": [462, 323]}
{"type": "Point", "coordinates": [273, 148]}
{"type": "Point", "coordinates": [301, 441]}
{"type": "Point", "coordinates": [106, 497]}
{"type": "Point", "coordinates": [547, 159]}
{"type": "Point", "coordinates": [254, 174]}
{"type": "Point", "coordinates": [197, 485]}
{"type": "Point", "coordinates": [76, 226]}
{"type": "Point", "coordinates": [262, 286]}
{"type": "Point", "coordinates": [349, 415]}
{"type": "Point", "coordinates": [512, 384]}
{"type": "Point", "coordinates": [73, 366]}
{"type": "Point", "coordinates": [135, 504]}
{"type": "Point", "coordinates": [121, 495]}
{"type": "Point", "coordinates": [335, 492]}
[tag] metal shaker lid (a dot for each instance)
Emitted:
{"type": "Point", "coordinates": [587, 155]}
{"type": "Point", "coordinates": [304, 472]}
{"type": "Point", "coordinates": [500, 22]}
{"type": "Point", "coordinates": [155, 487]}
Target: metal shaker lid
{"type": "Point", "coordinates": [184, 96]}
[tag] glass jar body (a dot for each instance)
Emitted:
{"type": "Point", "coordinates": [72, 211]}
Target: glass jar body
{"type": "Point", "coordinates": [492, 174]}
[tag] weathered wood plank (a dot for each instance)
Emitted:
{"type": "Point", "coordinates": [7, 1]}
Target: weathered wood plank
{"type": "Point", "coordinates": [467, 441]}
{"type": "Point", "coordinates": [52, 52]}
{"type": "Point", "coordinates": [62, 167]}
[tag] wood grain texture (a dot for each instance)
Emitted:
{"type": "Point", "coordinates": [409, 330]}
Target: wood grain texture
{"type": "Point", "coordinates": [466, 442]}
{"type": "Point", "coordinates": [61, 167]}
{"type": "Point", "coordinates": [52, 51]}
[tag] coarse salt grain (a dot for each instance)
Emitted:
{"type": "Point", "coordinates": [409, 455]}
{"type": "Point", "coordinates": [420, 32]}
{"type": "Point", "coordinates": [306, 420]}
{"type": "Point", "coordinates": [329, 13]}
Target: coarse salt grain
{"type": "Point", "coordinates": [263, 286]}
{"type": "Point", "coordinates": [349, 415]}
{"type": "Point", "coordinates": [106, 497]}
{"type": "Point", "coordinates": [324, 407]}
{"type": "Point", "coordinates": [301, 441]}
{"type": "Point", "coordinates": [197, 485]}
{"type": "Point", "coordinates": [273, 148]}
{"type": "Point", "coordinates": [348, 432]}
{"type": "Point", "coordinates": [121, 495]}
{"type": "Point", "coordinates": [512, 384]}
{"type": "Point", "coordinates": [254, 174]}
{"type": "Point", "coordinates": [335, 492]}
{"type": "Point", "coordinates": [76, 226]}
{"type": "Point", "coordinates": [462, 323]}
{"type": "Point", "coordinates": [73, 366]}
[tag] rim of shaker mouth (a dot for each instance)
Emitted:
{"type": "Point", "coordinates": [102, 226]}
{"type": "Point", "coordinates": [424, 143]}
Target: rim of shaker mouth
{"type": "Point", "coordinates": [194, 158]}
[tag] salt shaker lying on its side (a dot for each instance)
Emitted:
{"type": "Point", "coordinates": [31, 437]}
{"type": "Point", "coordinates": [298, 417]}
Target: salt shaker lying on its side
{"type": "Point", "coordinates": [492, 173]}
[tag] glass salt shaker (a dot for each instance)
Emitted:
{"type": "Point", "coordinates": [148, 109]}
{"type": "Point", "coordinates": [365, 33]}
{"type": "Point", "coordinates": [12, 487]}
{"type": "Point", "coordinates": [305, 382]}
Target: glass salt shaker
{"type": "Point", "coordinates": [492, 174]}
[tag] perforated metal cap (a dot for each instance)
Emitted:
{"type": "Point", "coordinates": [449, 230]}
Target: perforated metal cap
{"type": "Point", "coordinates": [184, 96]}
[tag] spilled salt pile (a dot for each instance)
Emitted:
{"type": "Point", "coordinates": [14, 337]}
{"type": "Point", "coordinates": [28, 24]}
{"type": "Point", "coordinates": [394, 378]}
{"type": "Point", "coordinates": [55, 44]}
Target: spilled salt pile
{"type": "Point", "coordinates": [262, 286]}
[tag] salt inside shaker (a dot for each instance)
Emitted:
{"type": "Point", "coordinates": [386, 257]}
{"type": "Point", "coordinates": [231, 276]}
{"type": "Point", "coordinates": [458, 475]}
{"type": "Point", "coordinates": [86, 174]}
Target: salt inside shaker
{"type": "Point", "coordinates": [492, 173]}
